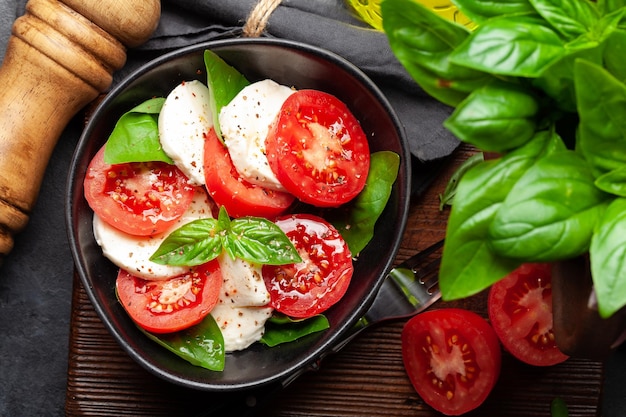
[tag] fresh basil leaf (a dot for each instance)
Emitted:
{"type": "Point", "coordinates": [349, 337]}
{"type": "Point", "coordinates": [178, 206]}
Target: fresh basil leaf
{"type": "Point", "coordinates": [357, 221]}
{"type": "Point", "coordinates": [480, 10]}
{"type": "Point", "coordinates": [224, 83]}
{"type": "Point", "coordinates": [571, 18]}
{"type": "Point", "coordinates": [601, 106]}
{"type": "Point", "coordinates": [194, 243]}
{"type": "Point", "coordinates": [550, 213]}
{"type": "Point", "coordinates": [450, 191]}
{"type": "Point", "coordinates": [135, 137]}
{"type": "Point", "coordinates": [615, 55]}
{"type": "Point", "coordinates": [496, 117]}
{"type": "Point", "coordinates": [201, 345]}
{"type": "Point", "coordinates": [423, 41]}
{"type": "Point", "coordinates": [521, 45]}
{"type": "Point", "coordinates": [259, 240]}
{"type": "Point", "coordinates": [468, 264]}
{"type": "Point", "coordinates": [608, 6]}
{"type": "Point", "coordinates": [558, 408]}
{"type": "Point", "coordinates": [613, 182]}
{"type": "Point", "coordinates": [607, 254]}
{"type": "Point", "coordinates": [282, 329]}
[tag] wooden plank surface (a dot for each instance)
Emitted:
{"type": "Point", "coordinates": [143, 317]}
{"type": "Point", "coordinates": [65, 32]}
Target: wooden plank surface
{"type": "Point", "coordinates": [366, 378]}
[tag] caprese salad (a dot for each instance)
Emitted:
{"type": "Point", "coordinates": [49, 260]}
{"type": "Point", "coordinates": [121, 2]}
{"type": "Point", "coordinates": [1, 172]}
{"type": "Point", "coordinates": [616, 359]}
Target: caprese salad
{"type": "Point", "coordinates": [209, 200]}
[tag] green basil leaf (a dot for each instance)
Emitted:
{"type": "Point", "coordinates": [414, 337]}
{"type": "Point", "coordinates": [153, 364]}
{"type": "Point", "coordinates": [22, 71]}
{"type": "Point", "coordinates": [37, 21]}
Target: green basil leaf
{"type": "Point", "coordinates": [601, 106]}
{"type": "Point", "coordinates": [201, 345]}
{"type": "Point", "coordinates": [480, 10]}
{"type": "Point", "coordinates": [496, 117]}
{"type": "Point", "coordinates": [135, 137]}
{"type": "Point", "coordinates": [550, 213]}
{"type": "Point", "coordinates": [571, 18]}
{"type": "Point", "coordinates": [224, 83]}
{"type": "Point", "coordinates": [607, 254]}
{"type": "Point", "coordinates": [468, 264]}
{"type": "Point", "coordinates": [608, 6]}
{"type": "Point", "coordinates": [558, 408]}
{"type": "Point", "coordinates": [423, 41]}
{"type": "Point", "coordinates": [615, 55]}
{"type": "Point", "coordinates": [259, 240]}
{"type": "Point", "coordinates": [282, 329]}
{"type": "Point", "coordinates": [613, 182]}
{"type": "Point", "coordinates": [194, 243]}
{"type": "Point", "coordinates": [357, 220]}
{"type": "Point", "coordinates": [450, 191]}
{"type": "Point", "coordinates": [521, 46]}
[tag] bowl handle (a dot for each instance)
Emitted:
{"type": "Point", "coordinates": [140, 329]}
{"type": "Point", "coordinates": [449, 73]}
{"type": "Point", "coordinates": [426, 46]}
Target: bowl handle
{"type": "Point", "coordinates": [60, 56]}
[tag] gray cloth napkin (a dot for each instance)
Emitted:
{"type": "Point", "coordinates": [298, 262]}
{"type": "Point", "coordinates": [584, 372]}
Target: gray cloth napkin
{"type": "Point", "coordinates": [324, 23]}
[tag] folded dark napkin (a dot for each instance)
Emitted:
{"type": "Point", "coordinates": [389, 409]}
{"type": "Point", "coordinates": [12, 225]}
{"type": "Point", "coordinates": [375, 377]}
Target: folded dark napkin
{"type": "Point", "coordinates": [329, 24]}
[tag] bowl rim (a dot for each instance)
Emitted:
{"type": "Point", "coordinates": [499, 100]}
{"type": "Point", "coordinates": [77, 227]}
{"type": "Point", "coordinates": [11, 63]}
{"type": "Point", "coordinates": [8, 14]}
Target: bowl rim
{"type": "Point", "coordinates": [329, 346]}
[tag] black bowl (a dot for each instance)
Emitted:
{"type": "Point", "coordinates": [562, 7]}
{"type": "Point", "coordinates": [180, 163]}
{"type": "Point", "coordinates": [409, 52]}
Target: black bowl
{"type": "Point", "coordinates": [289, 63]}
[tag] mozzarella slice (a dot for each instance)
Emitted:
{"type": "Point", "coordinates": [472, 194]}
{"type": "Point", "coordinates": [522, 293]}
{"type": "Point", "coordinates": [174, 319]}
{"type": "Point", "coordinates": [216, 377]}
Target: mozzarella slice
{"type": "Point", "coordinates": [240, 326]}
{"type": "Point", "coordinates": [184, 120]}
{"type": "Point", "coordinates": [132, 253]}
{"type": "Point", "coordinates": [245, 122]}
{"type": "Point", "coordinates": [243, 283]}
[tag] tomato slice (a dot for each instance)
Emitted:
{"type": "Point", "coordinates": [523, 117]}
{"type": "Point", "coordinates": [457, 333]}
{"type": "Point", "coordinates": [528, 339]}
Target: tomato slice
{"type": "Point", "coordinates": [317, 149]}
{"type": "Point", "coordinates": [137, 198]}
{"type": "Point", "coordinates": [229, 189]}
{"type": "Point", "coordinates": [310, 287]}
{"type": "Point", "coordinates": [520, 310]}
{"type": "Point", "coordinates": [452, 357]}
{"type": "Point", "coordinates": [166, 306]}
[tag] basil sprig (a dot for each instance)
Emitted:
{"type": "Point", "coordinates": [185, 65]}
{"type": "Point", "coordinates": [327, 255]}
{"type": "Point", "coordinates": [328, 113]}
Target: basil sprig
{"type": "Point", "coordinates": [252, 239]}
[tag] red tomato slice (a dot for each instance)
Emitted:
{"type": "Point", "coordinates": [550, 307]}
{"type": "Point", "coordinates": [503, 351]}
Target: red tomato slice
{"type": "Point", "coordinates": [228, 189]}
{"type": "Point", "coordinates": [520, 310]}
{"type": "Point", "coordinates": [310, 287]}
{"type": "Point", "coordinates": [452, 357]}
{"type": "Point", "coordinates": [137, 198]}
{"type": "Point", "coordinates": [174, 304]}
{"type": "Point", "coordinates": [317, 149]}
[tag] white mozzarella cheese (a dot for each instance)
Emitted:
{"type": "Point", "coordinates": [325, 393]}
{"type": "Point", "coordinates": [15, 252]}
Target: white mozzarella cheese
{"type": "Point", "coordinates": [132, 253]}
{"type": "Point", "coordinates": [245, 122]}
{"type": "Point", "coordinates": [240, 326]}
{"type": "Point", "coordinates": [243, 283]}
{"type": "Point", "coordinates": [184, 120]}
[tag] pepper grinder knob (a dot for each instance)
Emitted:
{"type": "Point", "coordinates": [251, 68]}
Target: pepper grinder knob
{"type": "Point", "coordinates": [61, 55]}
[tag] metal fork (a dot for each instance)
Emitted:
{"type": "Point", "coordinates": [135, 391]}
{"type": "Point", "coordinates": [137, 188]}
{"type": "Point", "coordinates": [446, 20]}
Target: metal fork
{"type": "Point", "coordinates": [410, 288]}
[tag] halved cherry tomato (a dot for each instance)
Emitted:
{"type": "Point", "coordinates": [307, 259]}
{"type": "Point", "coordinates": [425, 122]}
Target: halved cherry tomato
{"type": "Point", "coordinates": [229, 189]}
{"type": "Point", "coordinates": [520, 310]}
{"type": "Point", "coordinates": [321, 279]}
{"type": "Point", "coordinates": [452, 357]}
{"type": "Point", "coordinates": [318, 150]}
{"type": "Point", "coordinates": [174, 304]}
{"type": "Point", "coordinates": [137, 198]}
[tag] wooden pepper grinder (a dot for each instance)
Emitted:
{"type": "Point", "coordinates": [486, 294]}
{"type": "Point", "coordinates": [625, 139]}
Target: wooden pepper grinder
{"type": "Point", "coordinates": [61, 56]}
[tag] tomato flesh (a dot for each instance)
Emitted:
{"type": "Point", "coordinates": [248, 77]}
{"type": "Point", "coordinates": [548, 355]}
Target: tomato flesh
{"type": "Point", "coordinates": [520, 310]}
{"type": "Point", "coordinates": [312, 286]}
{"type": "Point", "coordinates": [137, 198]}
{"type": "Point", "coordinates": [452, 357]}
{"type": "Point", "coordinates": [166, 306]}
{"type": "Point", "coordinates": [227, 188]}
{"type": "Point", "coordinates": [317, 149]}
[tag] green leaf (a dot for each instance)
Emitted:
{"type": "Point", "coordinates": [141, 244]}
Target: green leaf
{"type": "Point", "coordinates": [496, 117]}
{"type": "Point", "coordinates": [450, 191]}
{"type": "Point", "coordinates": [481, 10]}
{"type": "Point", "coordinates": [423, 41]}
{"type": "Point", "coordinates": [282, 329]}
{"type": "Point", "coordinates": [615, 55]}
{"type": "Point", "coordinates": [613, 182]}
{"type": "Point", "coordinates": [571, 18]}
{"type": "Point", "coordinates": [601, 106]}
{"type": "Point", "coordinates": [194, 243]}
{"type": "Point", "coordinates": [521, 46]}
{"type": "Point", "coordinates": [550, 213]}
{"type": "Point", "coordinates": [258, 240]}
{"type": "Point", "coordinates": [224, 83]}
{"type": "Point", "coordinates": [468, 264]}
{"type": "Point", "coordinates": [135, 137]}
{"type": "Point", "coordinates": [608, 255]}
{"type": "Point", "coordinates": [558, 408]}
{"type": "Point", "coordinates": [356, 223]}
{"type": "Point", "coordinates": [201, 345]}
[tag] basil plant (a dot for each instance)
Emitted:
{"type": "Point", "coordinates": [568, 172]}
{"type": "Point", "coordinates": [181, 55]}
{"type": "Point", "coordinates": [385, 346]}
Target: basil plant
{"type": "Point", "coordinates": [541, 83]}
